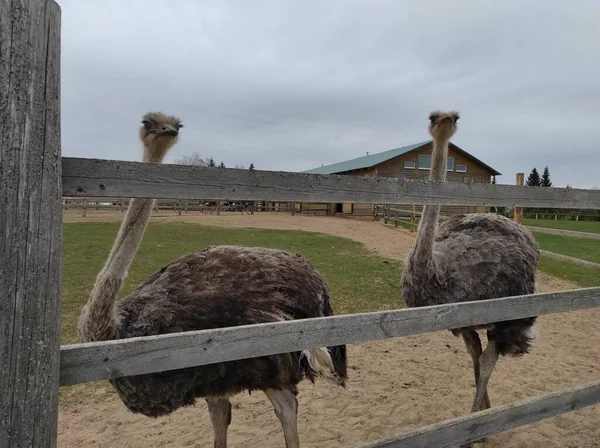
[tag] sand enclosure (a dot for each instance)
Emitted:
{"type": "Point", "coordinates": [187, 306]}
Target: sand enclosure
{"type": "Point", "coordinates": [394, 385]}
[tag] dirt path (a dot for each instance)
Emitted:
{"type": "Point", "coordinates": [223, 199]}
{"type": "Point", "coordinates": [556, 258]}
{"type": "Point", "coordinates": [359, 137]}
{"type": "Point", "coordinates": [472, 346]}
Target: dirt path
{"type": "Point", "coordinates": [395, 385]}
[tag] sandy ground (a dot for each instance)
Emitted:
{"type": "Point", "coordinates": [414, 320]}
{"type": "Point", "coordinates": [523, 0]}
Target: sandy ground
{"type": "Point", "coordinates": [395, 385]}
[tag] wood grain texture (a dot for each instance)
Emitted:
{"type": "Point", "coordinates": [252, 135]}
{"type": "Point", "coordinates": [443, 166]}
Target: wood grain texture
{"type": "Point", "coordinates": [569, 233]}
{"type": "Point", "coordinates": [30, 222]}
{"type": "Point", "coordinates": [109, 178]}
{"type": "Point", "coordinates": [577, 261]}
{"type": "Point", "coordinates": [468, 428]}
{"type": "Point", "coordinates": [518, 211]}
{"type": "Point", "coordinates": [110, 359]}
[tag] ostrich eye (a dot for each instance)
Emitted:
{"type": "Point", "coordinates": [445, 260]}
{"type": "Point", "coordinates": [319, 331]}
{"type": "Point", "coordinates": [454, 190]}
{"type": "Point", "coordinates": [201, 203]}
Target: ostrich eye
{"type": "Point", "coordinates": [179, 126]}
{"type": "Point", "coordinates": [432, 118]}
{"type": "Point", "coordinates": [456, 117]}
{"type": "Point", "coordinates": [147, 124]}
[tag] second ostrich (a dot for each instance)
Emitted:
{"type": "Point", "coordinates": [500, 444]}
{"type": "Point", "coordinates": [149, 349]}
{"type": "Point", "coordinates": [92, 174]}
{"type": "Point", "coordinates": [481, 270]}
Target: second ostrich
{"type": "Point", "coordinates": [471, 257]}
{"type": "Point", "coordinates": [218, 286]}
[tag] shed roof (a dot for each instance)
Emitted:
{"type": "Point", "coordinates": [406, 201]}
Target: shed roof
{"type": "Point", "coordinates": [373, 160]}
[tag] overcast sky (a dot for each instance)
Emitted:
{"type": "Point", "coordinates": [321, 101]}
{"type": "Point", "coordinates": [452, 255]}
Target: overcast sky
{"type": "Point", "coordinates": [290, 85]}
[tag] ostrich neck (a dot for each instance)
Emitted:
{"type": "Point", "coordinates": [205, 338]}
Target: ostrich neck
{"type": "Point", "coordinates": [423, 250]}
{"type": "Point", "coordinates": [98, 319]}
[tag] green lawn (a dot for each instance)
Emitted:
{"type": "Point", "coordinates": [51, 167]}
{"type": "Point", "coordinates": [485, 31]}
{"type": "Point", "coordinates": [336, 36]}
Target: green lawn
{"type": "Point", "coordinates": [583, 277]}
{"type": "Point", "coordinates": [583, 248]}
{"type": "Point", "coordinates": [359, 280]}
{"type": "Point", "coordinates": [578, 226]}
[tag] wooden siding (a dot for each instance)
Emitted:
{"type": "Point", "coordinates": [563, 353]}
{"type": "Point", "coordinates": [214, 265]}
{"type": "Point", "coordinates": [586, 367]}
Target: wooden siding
{"type": "Point", "coordinates": [475, 173]}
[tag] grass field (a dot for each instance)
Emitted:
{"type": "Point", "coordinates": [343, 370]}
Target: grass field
{"type": "Point", "coordinates": [359, 280]}
{"type": "Point", "coordinates": [583, 277]}
{"type": "Point", "coordinates": [578, 226]}
{"type": "Point", "coordinates": [583, 248]}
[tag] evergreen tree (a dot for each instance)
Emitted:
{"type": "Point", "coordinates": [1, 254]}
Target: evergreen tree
{"type": "Point", "coordinates": [546, 178]}
{"type": "Point", "coordinates": [211, 162]}
{"type": "Point", "coordinates": [221, 165]}
{"type": "Point", "coordinates": [534, 179]}
{"type": "Point", "coordinates": [251, 167]}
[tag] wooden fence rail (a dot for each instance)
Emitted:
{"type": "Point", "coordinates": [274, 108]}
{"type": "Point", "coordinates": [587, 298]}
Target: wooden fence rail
{"type": "Point", "coordinates": [561, 232]}
{"type": "Point", "coordinates": [133, 356]}
{"type": "Point", "coordinates": [471, 427]}
{"type": "Point", "coordinates": [567, 259]}
{"type": "Point", "coordinates": [110, 178]}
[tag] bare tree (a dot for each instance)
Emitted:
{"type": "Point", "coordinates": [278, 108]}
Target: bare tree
{"type": "Point", "coordinates": [193, 159]}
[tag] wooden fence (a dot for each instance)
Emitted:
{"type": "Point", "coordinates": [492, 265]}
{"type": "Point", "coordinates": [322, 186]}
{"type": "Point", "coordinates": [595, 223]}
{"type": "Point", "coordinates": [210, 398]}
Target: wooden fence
{"type": "Point", "coordinates": [179, 205]}
{"type": "Point", "coordinates": [34, 177]}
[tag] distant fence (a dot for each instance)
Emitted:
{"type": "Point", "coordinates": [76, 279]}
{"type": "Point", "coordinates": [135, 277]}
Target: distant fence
{"type": "Point", "coordinates": [573, 216]}
{"type": "Point", "coordinates": [34, 178]}
{"type": "Point", "coordinates": [179, 206]}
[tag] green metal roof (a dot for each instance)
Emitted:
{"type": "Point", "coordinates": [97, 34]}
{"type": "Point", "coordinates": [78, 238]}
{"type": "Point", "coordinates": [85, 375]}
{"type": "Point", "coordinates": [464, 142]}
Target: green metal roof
{"type": "Point", "coordinates": [377, 159]}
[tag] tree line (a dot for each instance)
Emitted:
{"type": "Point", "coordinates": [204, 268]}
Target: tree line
{"type": "Point", "coordinates": [196, 160]}
{"type": "Point", "coordinates": [535, 180]}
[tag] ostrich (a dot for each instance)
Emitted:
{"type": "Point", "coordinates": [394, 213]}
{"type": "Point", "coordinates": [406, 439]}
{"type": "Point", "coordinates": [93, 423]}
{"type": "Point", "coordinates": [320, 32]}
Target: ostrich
{"type": "Point", "coordinates": [471, 257]}
{"type": "Point", "coordinates": [218, 286]}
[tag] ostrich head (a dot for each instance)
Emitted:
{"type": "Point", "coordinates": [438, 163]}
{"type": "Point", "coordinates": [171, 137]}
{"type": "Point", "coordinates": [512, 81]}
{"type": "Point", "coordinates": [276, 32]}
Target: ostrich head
{"type": "Point", "coordinates": [443, 124]}
{"type": "Point", "coordinates": [158, 133]}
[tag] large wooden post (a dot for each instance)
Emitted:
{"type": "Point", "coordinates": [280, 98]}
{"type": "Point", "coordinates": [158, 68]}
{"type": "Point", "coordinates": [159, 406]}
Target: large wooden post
{"type": "Point", "coordinates": [30, 222]}
{"type": "Point", "coordinates": [518, 215]}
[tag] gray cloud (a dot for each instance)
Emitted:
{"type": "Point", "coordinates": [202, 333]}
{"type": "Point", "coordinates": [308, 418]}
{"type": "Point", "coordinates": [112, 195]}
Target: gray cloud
{"type": "Point", "coordinates": [291, 85]}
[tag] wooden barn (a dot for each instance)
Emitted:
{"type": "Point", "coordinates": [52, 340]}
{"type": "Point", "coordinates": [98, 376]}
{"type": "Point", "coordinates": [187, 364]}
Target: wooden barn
{"type": "Point", "coordinates": [408, 162]}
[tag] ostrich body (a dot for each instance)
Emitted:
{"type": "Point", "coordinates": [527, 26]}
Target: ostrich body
{"type": "Point", "coordinates": [471, 257]}
{"type": "Point", "coordinates": [218, 286]}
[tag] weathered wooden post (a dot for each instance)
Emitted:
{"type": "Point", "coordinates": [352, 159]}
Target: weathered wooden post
{"type": "Point", "coordinates": [518, 217]}
{"type": "Point", "coordinates": [31, 222]}
{"type": "Point", "coordinates": [413, 214]}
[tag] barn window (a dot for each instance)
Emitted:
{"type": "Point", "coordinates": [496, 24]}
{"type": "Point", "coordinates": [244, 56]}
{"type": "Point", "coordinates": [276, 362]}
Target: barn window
{"type": "Point", "coordinates": [409, 164]}
{"type": "Point", "coordinates": [450, 163]}
{"type": "Point", "coordinates": [424, 162]}
{"type": "Point", "coordinates": [461, 168]}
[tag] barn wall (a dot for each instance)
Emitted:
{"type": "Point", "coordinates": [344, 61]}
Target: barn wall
{"type": "Point", "coordinates": [475, 173]}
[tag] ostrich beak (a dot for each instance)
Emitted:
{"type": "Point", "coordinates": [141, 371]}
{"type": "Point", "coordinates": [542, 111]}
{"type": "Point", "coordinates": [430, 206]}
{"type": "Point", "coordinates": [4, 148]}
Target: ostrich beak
{"type": "Point", "coordinates": [169, 130]}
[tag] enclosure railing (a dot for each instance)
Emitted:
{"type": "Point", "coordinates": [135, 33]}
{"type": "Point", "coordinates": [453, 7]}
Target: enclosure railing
{"type": "Point", "coordinates": [34, 178]}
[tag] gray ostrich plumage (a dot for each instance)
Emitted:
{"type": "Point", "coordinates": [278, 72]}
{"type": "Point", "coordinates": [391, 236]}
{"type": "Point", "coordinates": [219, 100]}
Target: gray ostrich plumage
{"type": "Point", "coordinates": [471, 257]}
{"type": "Point", "coordinates": [218, 286]}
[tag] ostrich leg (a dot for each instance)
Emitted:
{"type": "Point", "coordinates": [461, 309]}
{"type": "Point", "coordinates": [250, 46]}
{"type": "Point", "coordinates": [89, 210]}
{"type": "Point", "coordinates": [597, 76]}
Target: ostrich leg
{"type": "Point", "coordinates": [285, 406]}
{"type": "Point", "coordinates": [473, 344]}
{"type": "Point", "coordinates": [487, 362]}
{"type": "Point", "coordinates": [220, 416]}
